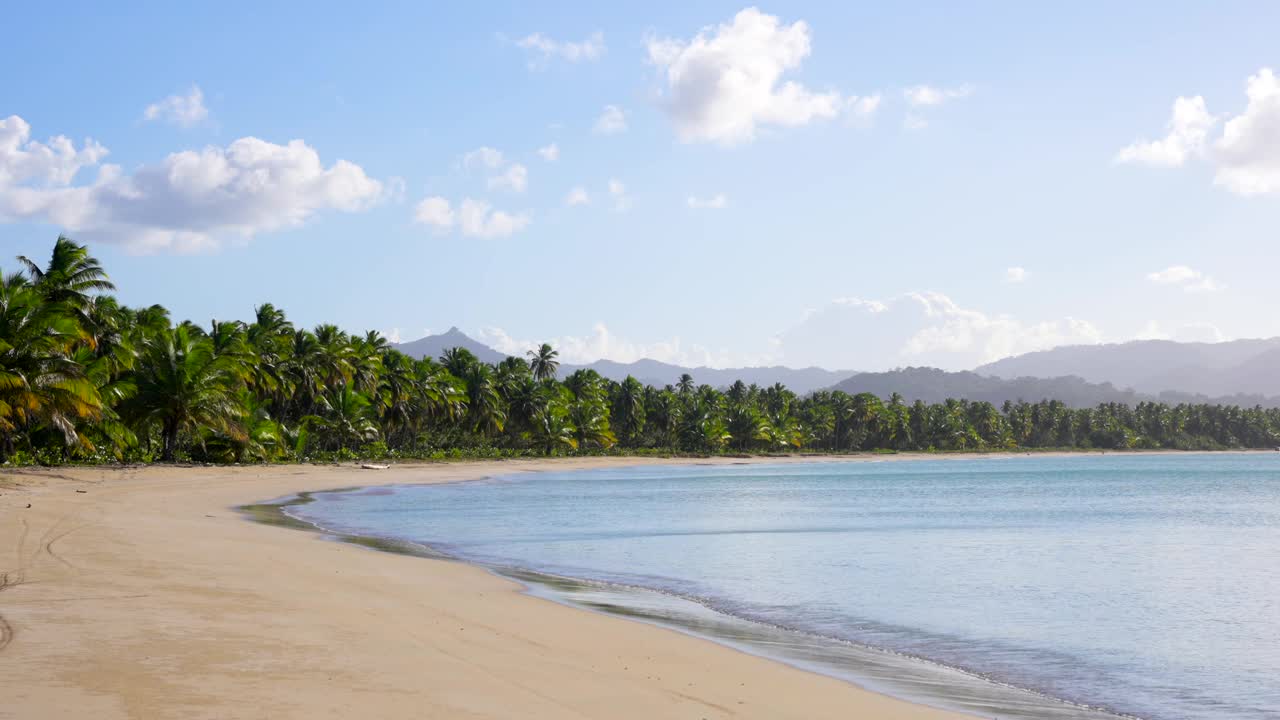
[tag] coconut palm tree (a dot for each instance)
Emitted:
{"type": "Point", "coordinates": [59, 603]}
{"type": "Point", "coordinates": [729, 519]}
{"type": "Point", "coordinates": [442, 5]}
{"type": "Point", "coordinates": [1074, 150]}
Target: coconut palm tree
{"type": "Point", "coordinates": [183, 386]}
{"type": "Point", "coordinates": [543, 362]}
{"type": "Point", "coordinates": [41, 383]}
{"type": "Point", "coordinates": [628, 410]}
{"type": "Point", "coordinates": [71, 276]}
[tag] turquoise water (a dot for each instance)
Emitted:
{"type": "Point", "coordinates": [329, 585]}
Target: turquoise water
{"type": "Point", "coordinates": [1147, 585]}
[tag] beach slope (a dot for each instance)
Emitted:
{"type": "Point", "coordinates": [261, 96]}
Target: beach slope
{"type": "Point", "coordinates": [143, 594]}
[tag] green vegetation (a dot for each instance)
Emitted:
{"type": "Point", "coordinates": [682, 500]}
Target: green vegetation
{"type": "Point", "coordinates": [84, 379]}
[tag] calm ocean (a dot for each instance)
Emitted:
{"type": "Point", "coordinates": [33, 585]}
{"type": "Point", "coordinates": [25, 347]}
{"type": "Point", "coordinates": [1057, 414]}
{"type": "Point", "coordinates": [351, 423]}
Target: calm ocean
{"type": "Point", "coordinates": [1147, 585]}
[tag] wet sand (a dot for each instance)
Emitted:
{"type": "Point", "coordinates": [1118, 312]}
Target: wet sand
{"type": "Point", "coordinates": [143, 593]}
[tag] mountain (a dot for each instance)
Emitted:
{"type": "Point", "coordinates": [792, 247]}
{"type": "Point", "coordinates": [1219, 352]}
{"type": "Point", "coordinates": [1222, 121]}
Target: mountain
{"type": "Point", "coordinates": [933, 386]}
{"type": "Point", "coordinates": [1242, 372]}
{"type": "Point", "coordinates": [650, 372]}
{"type": "Point", "coordinates": [1238, 367]}
{"type": "Point", "coordinates": [435, 345]}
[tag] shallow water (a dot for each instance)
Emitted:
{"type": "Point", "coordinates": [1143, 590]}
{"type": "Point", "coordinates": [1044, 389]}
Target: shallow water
{"type": "Point", "coordinates": [1143, 584]}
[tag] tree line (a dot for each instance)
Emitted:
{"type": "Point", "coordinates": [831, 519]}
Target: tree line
{"type": "Point", "coordinates": [86, 379]}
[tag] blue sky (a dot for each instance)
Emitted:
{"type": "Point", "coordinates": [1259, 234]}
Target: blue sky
{"type": "Point", "coordinates": [867, 180]}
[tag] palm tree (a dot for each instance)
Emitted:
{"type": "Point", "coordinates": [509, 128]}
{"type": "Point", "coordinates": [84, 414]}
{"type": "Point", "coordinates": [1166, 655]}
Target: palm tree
{"type": "Point", "coordinates": [543, 362]}
{"type": "Point", "coordinates": [71, 275]}
{"type": "Point", "coordinates": [685, 385]}
{"type": "Point", "coordinates": [41, 384]}
{"type": "Point", "coordinates": [484, 404]}
{"type": "Point", "coordinates": [184, 386]}
{"type": "Point", "coordinates": [551, 426]}
{"type": "Point", "coordinates": [628, 410]}
{"type": "Point", "coordinates": [345, 419]}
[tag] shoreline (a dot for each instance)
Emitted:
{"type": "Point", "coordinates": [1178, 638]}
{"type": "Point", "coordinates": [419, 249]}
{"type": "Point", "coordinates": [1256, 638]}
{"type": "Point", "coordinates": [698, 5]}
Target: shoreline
{"type": "Point", "coordinates": [140, 592]}
{"type": "Point", "coordinates": [907, 677]}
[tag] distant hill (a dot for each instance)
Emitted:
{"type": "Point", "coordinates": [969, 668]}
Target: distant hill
{"type": "Point", "coordinates": [1243, 372]}
{"type": "Point", "coordinates": [1239, 367]}
{"type": "Point", "coordinates": [650, 372]}
{"type": "Point", "coordinates": [434, 345]}
{"type": "Point", "coordinates": [933, 386]}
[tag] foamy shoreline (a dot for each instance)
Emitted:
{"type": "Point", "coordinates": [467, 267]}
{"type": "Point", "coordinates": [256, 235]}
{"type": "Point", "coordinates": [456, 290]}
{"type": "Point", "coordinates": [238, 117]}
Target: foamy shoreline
{"type": "Point", "coordinates": [141, 592]}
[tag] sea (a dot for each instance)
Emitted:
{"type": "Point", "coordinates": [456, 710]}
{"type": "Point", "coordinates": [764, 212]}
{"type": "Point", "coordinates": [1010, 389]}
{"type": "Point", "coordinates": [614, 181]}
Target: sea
{"type": "Point", "coordinates": [1077, 586]}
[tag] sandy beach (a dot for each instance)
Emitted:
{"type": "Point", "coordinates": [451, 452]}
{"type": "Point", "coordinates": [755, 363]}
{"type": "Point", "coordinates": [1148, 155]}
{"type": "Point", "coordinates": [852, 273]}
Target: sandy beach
{"type": "Point", "coordinates": [142, 593]}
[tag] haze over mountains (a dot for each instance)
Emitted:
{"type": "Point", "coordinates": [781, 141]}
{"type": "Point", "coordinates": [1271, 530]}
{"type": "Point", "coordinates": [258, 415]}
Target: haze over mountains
{"type": "Point", "coordinates": [1241, 372]}
{"type": "Point", "coordinates": [1248, 367]}
{"type": "Point", "coordinates": [650, 372]}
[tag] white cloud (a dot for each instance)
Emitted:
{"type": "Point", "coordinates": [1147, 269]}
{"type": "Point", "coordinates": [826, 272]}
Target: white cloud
{"type": "Point", "coordinates": [1016, 275]}
{"type": "Point", "coordinates": [602, 344]}
{"type": "Point", "coordinates": [483, 157]}
{"type": "Point", "coordinates": [189, 201]}
{"type": "Point", "coordinates": [515, 178]}
{"type": "Point", "coordinates": [1248, 154]}
{"type": "Point", "coordinates": [54, 163]}
{"type": "Point", "coordinates": [726, 81]}
{"type": "Point", "coordinates": [182, 110]}
{"type": "Point", "coordinates": [550, 153]}
{"type": "Point", "coordinates": [914, 122]}
{"type": "Point", "coordinates": [927, 95]}
{"type": "Point", "coordinates": [1245, 158]}
{"type": "Point", "coordinates": [434, 211]}
{"type": "Point", "coordinates": [1188, 129]}
{"type": "Point", "coordinates": [477, 219]}
{"type": "Point", "coordinates": [719, 201]}
{"type": "Point", "coordinates": [1189, 332]}
{"type": "Point", "coordinates": [1186, 278]}
{"type": "Point", "coordinates": [860, 110]}
{"type": "Point", "coordinates": [919, 328]}
{"type": "Point", "coordinates": [612, 121]}
{"type": "Point", "coordinates": [543, 49]}
{"type": "Point", "coordinates": [577, 196]}
{"type": "Point", "coordinates": [618, 191]}
{"type": "Point", "coordinates": [393, 336]}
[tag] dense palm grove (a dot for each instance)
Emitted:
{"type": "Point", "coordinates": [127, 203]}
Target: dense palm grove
{"type": "Point", "coordinates": [84, 379]}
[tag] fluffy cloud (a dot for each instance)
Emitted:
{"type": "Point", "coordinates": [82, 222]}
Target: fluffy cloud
{"type": "Point", "coordinates": [1184, 277]}
{"type": "Point", "coordinates": [919, 328]}
{"type": "Point", "coordinates": [483, 157]}
{"type": "Point", "coordinates": [191, 200]}
{"type": "Point", "coordinates": [182, 110]}
{"type": "Point", "coordinates": [1245, 157]}
{"type": "Point", "coordinates": [515, 178]}
{"type": "Point", "coordinates": [434, 212]}
{"type": "Point", "coordinates": [860, 110]}
{"type": "Point", "coordinates": [726, 81]}
{"type": "Point", "coordinates": [927, 95]}
{"type": "Point", "coordinates": [543, 49]}
{"type": "Point", "coordinates": [618, 191]}
{"type": "Point", "coordinates": [474, 218]}
{"type": "Point", "coordinates": [1015, 275]}
{"type": "Point", "coordinates": [914, 122]}
{"type": "Point", "coordinates": [1190, 332]}
{"type": "Point", "coordinates": [577, 196]}
{"type": "Point", "coordinates": [477, 219]}
{"type": "Point", "coordinates": [54, 163]}
{"type": "Point", "coordinates": [612, 121]}
{"type": "Point", "coordinates": [601, 343]}
{"type": "Point", "coordinates": [719, 201]}
{"type": "Point", "coordinates": [1188, 129]}
{"type": "Point", "coordinates": [1248, 154]}
{"type": "Point", "coordinates": [550, 153]}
